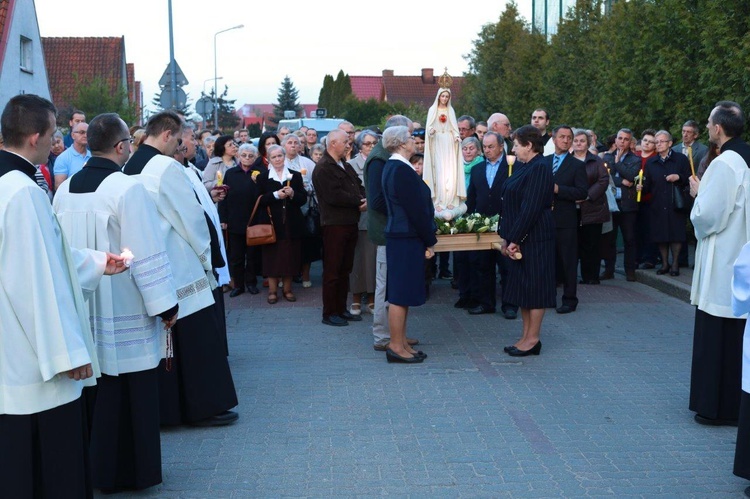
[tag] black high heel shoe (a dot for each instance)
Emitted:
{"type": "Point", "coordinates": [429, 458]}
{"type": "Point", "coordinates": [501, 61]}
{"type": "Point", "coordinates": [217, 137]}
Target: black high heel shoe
{"type": "Point", "coordinates": [391, 356]}
{"type": "Point", "coordinates": [535, 350]}
{"type": "Point", "coordinates": [662, 271]}
{"type": "Point", "coordinates": [674, 272]}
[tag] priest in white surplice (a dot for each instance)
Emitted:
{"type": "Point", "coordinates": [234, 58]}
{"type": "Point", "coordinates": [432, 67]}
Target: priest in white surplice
{"type": "Point", "coordinates": [102, 208]}
{"type": "Point", "coordinates": [46, 347]}
{"type": "Point", "coordinates": [198, 389]}
{"type": "Point", "coordinates": [721, 218]}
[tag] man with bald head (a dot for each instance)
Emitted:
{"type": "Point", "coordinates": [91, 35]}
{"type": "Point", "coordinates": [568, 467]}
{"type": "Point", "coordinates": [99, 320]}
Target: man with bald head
{"type": "Point", "coordinates": [500, 124]}
{"type": "Point", "coordinates": [341, 198]}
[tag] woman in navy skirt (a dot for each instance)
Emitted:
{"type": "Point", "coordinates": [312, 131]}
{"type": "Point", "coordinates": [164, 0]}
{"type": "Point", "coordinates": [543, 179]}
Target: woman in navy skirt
{"type": "Point", "coordinates": [410, 236]}
{"type": "Point", "coordinates": [528, 232]}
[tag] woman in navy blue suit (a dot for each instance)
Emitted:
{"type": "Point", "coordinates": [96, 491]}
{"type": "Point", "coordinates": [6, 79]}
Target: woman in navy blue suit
{"type": "Point", "coordinates": [528, 232]}
{"type": "Point", "coordinates": [410, 236]}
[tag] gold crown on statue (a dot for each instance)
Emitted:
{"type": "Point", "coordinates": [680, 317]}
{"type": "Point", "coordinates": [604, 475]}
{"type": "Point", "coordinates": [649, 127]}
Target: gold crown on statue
{"type": "Point", "coordinates": [445, 81]}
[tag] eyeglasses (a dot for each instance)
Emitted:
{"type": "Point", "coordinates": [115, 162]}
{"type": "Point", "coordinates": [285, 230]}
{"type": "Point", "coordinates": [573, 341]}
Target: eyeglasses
{"type": "Point", "coordinates": [80, 132]}
{"type": "Point", "coordinates": [463, 129]}
{"type": "Point", "coordinates": [128, 139]}
{"type": "Point", "coordinates": [662, 141]}
{"type": "Point", "coordinates": [246, 155]}
{"type": "Point", "coordinates": [369, 144]}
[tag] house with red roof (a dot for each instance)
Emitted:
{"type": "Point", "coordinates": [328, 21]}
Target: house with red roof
{"type": "Point", "coordinates": [388, 87]}
{"type": "Point", "coordinates": [22, 68]}
{"type": "Point", "coordinates": [75, 61]}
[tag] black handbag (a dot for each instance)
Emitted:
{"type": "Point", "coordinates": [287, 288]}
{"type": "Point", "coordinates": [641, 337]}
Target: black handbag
{"type": "Point", "coordinates": [679, 203]}
{"type": "Point", "coordinates": [312, 217]}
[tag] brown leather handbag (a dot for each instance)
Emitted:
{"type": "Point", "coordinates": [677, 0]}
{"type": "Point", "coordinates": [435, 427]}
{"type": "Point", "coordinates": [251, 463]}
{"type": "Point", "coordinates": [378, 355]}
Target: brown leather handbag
{"type": "Point", "coordinates": [260, 234]}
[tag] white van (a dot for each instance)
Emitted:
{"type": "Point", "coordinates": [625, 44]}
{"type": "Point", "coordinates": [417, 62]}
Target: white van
{"type": "Point", "coordinates": [321, 125]}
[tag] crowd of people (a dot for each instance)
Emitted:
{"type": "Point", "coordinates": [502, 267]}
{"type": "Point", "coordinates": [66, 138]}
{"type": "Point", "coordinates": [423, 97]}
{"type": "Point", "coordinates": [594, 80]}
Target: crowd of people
{"type": "Point", "coordinates": [163, 211]}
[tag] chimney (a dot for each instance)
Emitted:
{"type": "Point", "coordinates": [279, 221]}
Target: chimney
{"type": "Point", "coordinates": [428, 76]}
{"type": "Point", "coordinates": [387, 72]}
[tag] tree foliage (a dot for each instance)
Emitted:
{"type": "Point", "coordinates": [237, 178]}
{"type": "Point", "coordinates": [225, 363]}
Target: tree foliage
{"type": "Point", "coordinates": [288, 99]}
{"type": "Point", "coordinates": [647, 64]}
{"type": "Point", "coordinates": [333, 94]}
{"type": "Point", "coordinates": [228, 119]}
{"type": "Point", "coordinates": [96, 97]}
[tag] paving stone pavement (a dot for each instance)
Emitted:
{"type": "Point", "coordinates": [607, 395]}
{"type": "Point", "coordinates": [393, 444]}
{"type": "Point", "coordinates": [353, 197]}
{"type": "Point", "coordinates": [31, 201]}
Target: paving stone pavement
{"type": "Point", "coordinates": [601, 412]}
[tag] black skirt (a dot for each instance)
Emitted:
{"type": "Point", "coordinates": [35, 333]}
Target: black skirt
{"type": "Point", "coordinates": [716, 373]}
{"type": "Point", "coordinates": [199, 383]}
{"type": "Point", "coordinates": [45, 454]}
{"type": "Point", "coordinates": [125, 444]}
{"type": "Point", "coordinates": [283, 258]}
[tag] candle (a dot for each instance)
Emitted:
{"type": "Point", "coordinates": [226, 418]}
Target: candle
{"type": "Point", "coordinates": [303, 171]}
{"type": "Point", "coordinates": [219, 179]}
{"type": "Point", "coordinates": [127, 255]}
{"type": "Point", "coordinates": [690, 157]}
{"type": "Point", "coordinates": [511, 161]}
{"type": "Point", "coordinates": [640, 182]}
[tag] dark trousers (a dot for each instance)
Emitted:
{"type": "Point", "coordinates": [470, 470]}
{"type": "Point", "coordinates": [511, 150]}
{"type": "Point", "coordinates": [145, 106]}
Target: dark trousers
{"type": "Point", "coordinates": [502, 266]}
{"type": "Point", "coordinates": [625, 222]}
{"type": "Point", "coordinates": [339, 242]}
{"type": "Point", "coordinates": [647, 250]}
{"type": "Point", "coordinates": [588, 250]}
{"type": "Point", "coordinates": [241, 262]}
{"type": "Point", "coordinates": [482, 269]}
{"type": "Point", "coordinates": [566, 249]}
{"type": "Point", "coordinates": [462, 273]}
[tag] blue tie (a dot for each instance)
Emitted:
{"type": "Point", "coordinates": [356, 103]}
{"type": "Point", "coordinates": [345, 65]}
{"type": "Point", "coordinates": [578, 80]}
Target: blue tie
{"type": "Point", "coordinates": [555, 163]}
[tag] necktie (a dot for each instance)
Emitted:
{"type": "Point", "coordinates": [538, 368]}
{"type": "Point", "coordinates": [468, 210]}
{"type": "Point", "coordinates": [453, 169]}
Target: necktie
{"type": "Point", "coordinates": [555, 163]}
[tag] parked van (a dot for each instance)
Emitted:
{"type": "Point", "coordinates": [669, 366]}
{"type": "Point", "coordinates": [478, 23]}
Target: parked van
{"type": "Point", "coordinates": [321, 125]}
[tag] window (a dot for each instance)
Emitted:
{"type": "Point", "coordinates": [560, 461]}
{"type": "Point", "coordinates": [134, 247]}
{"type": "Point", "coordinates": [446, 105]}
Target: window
{"type": "Point", "coordinates": [26, 55]}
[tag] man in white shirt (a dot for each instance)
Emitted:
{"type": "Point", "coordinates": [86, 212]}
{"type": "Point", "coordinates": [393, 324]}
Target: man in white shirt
{"type": "Point", "coordinates": [45, 340]}
{"type": "Point", "coordinates": [102, 208]}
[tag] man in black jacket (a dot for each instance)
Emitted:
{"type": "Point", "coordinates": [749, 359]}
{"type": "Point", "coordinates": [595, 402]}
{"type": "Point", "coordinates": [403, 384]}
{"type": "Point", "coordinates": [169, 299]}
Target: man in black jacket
{"type": "Point", "coordinates": [571, 185]}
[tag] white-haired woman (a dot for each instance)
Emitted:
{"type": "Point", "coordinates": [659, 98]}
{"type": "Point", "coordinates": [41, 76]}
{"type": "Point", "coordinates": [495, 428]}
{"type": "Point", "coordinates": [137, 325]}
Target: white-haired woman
{"type": "Point", "coordinates": [410, 237]}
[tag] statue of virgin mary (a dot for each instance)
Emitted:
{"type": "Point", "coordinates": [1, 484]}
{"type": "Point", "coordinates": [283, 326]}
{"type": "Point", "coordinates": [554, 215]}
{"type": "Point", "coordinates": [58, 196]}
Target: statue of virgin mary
{"type": "Point", "coordinates": [443, 169]}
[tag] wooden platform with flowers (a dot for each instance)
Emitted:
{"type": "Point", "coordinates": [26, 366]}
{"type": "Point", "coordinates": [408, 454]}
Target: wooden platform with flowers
{"type": "Point", "coordinates": [473, 232]}
{"type": "Point", "coordinates": [466, 242]}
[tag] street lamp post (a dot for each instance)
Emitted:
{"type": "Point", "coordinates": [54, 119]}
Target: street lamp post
{"type": "Point", "coordinates": [216, 78]}
{"type": "Point", "coordinates": [210, 79]}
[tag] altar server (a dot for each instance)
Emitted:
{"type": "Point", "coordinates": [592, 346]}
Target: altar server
{"type": "Point", "coordinates": [46, 348]}
{"type": "Point", "coordinates": [102, 208]}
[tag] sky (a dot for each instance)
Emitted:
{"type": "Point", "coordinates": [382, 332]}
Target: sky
{"type": "Point", "coordinates": [303, 40]}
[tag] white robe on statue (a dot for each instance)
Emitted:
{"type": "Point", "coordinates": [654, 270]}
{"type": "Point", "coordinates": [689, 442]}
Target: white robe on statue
{"type": "Point", "coordinates": [721, 218]}
{"type": "Point", "coordinates": [443, 166]}
{"type": "Point", "coordinates": [124, 310]}
{"type": "Point", "coordinates": [182, 226]}
{"type": "Point", "coordinates": [44, 329]}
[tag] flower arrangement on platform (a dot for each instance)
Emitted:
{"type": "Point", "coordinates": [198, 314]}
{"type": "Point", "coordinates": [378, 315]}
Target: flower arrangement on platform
{"type": "Point", "coordinates": [475, 223]}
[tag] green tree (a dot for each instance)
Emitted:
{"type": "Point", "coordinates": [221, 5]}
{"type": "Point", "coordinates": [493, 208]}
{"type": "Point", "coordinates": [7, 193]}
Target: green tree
{"type": "Point", "coordinates": [287, 99]}
{"type": "Point", "coordinates": [504, 68]}
{"type": "Point", "coordinates": [96, 97]}
{"type": "Point", "coordinates": [228, 119]}
{"type": "Point", "coordinates": [334, 93]}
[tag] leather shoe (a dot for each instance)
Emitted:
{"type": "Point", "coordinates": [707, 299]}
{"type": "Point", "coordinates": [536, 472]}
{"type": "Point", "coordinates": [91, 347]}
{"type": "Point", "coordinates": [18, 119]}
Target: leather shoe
{"type": "Point", "coordinates": [535, 350]}
{"type": "Point", "coordinates": [380, 348]}
{"type": "Point", "coordinates": [351, 317]}
{"type": "Point", "coordinates": [510, 314]}
{"type": "Point", "coordinates": [225, 418]}
{"type": "Point", "coordinates": [481, 309]}
{"type": "Point", "coordinates": [714, 422]}
{"type": "Point", "coordinates": [662, 271]}
{"type": "Point", "coordinates": [412, 341]}
{"type": "Point", "coordinates": [589, 281]}
{"type": "Point", "coordinates": [674, 273]}
{"type": "Point", "coordinates": [391, 357]}
{"type": "Point", "coordinates": [463, 303]}
{"type": "Point", "coordinates": [252, 289]}
{"type": "Point", "coordinates": [335, 320]}
{"type": "Point", "coordinates": [606, 276]}
{"type": "Point", "coordinates": [565, 309]}
{"type": "Point", "coordinates": [236, 292]}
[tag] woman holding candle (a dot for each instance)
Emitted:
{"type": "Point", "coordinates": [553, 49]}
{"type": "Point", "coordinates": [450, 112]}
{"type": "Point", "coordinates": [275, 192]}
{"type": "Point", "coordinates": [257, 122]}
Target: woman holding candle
{"type": "Point", "coordinates": [665, 172]}
{"type": "Point", "coordinates": [526, 224]}
{"type": "Point", "coordinates": [225, 149]}
{"type": "Point", "coordinates": [283, 192]}
{"type": "Point", "coordinates": [594, 209]}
